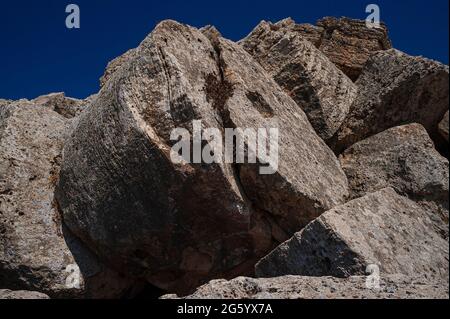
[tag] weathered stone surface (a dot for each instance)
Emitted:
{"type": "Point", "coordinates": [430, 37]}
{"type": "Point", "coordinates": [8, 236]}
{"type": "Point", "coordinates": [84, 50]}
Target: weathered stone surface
{"type": "Point", "coordinates": [21, 294]}
{"type": "Point", "coordinates": [443, 127]}
{"type": "Point", "coordinates": [210, 32]}
{"type": "Point", "coordinates": [310, 32]}
{"type": "Point", "coordinates": [383, 229]}
{"type": "Point", "coordinates": [348, 43]}
{"type": "Point", "coordinates": [296, 287]}
{"type": "Point", "coordinates": [181, 224]}
{"type": "Point", "coordinates": [395, 89]}
{"type": "Point", "coordinates": [36, 253]}
{"type": "Point", "coordinates": [405, 159]}
{"type": "Point", "coordinates": [304, 72]}
{"type": "Point", "coordinates": [58, 102]}
{"type": "Point", "coordinates": [4, 102]}
{"type": "Point", "coordinates": [115, 64]}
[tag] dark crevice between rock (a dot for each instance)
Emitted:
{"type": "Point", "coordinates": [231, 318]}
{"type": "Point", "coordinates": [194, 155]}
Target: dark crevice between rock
{"type": "Point", "coordinates": [219, 92]}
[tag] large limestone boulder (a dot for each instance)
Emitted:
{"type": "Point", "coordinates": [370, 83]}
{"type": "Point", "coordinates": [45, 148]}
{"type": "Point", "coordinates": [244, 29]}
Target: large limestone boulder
{"type": "Point", "coordinates": [395, 89]}
{"type": "Point", "coordinates": [382, 229]}
{"type": "Point", "coordinates": [179, 224]}
{"type": "Point", "coordinates": [304, 72]}
{"type": "Point", "coordinates": [349, 43]}
{"type": "Point", "coordinates": [6, 294]}
{"type": "Point", "coordinates": [405, 159]}
{"type": "Point", "coordinates": [36, 252]}
{"type": "Point", "coordinates": [296, 287]}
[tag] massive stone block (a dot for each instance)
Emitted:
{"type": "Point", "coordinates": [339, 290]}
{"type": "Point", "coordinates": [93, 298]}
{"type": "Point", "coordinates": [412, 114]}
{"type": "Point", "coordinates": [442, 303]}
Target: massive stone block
{"type": "Point", "coordinates": [179, 224]}
{"type": "Point", "coordinates": [36, 251]}
{"type": "Point", "coordinates": [304, 72]}
{"type": "Point", "coordinates": [395, 89]}
{"type": "Point", "coordinates": [382, 229]}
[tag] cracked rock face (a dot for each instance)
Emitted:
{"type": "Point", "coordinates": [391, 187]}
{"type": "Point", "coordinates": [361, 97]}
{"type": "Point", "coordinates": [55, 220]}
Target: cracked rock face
{"type": "Point", "coordinates": [36, 252]}
{"type": "Point", "coordinates": [304, 72]}
{"type": "Point", "coordinates": [382, 228]}
{"type": "Point", "coordinates": [395, 89]}
{"type": "Point", "coordinates": [296, 287]}
{"type": "Point", "coordinates": [181, 224]}
{"type": "Point", "coordinates": [405, 159]}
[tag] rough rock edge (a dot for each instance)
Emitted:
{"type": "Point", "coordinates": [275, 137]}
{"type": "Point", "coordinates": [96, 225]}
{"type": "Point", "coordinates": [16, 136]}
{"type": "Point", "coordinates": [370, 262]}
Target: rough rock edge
{"type": "Point", "coordinates": [297, 287]}
{"type": "Point", "coordinates": [6, 294]}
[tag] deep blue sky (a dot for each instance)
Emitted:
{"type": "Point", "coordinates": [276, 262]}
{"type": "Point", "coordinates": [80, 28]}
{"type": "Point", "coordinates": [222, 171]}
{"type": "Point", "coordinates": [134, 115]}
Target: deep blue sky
{"type": "Point", "coordinates": [38, 55]}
